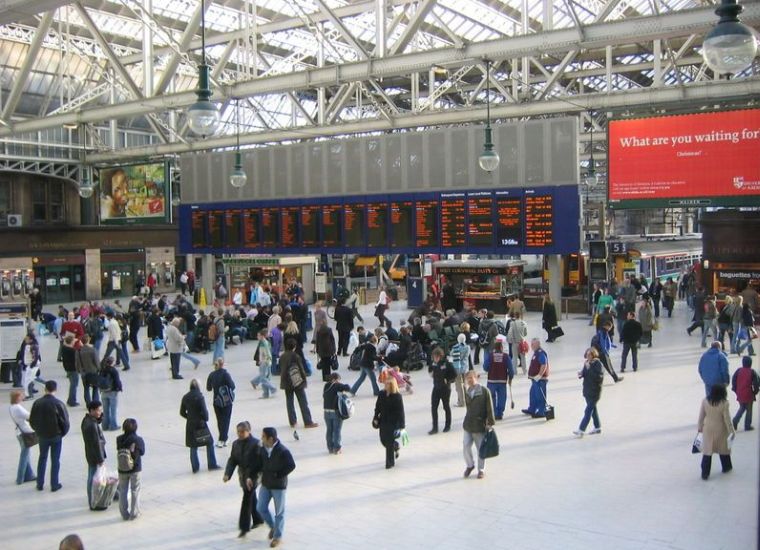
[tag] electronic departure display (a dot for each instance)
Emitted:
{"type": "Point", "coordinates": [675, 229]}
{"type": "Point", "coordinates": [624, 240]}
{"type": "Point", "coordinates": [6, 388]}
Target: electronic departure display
{"type": "Point", "coordinates": [353, 225]}
{"type": "Point", "coordinates": [198, 229]}
{"type": "Point", "coordinates": [331, 226]}
{"type": "Point", "coordinates": [377, 225]}
{"type": "Point", "coordinates": [427, 224]}
{"type": "Point", "coordinates": [232, 220]}
{"type": "Point", "coordinates": [488, 221]}
{"type": "Point", "coordinates": [310, 226]}
{"type": "Point", "coordinates": [402, 216]}
{"type": "Point", "coordinates": [270, 227]}
{"type": "Point", "coordinates": [480, 219]}
{"type": "Point", "coordinates": [452, 220]}
{"type": "Point", "coordinates": [290, 215]}
{"type": "Point", "coordinates": [215, 221]}
{"type": "Point", "coordinates": [539, 220]}
{"type": "Point", "coordinates": [251, 237]}
{"type": "Point", "coordinates": [508, 225]}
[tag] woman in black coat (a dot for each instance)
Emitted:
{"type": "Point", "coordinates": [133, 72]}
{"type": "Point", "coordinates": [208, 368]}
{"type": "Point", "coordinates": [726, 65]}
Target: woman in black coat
{"type": "Point", "coordinates": [155, 325]}
{"type": "Point", "coordinates": [593, 378]}
{"type": "Point", "coordinates": [389, 419]}
{"type": "Point", "coordinates": [549, 318]}
{"type": "Point", "coordinates": [193, 409]}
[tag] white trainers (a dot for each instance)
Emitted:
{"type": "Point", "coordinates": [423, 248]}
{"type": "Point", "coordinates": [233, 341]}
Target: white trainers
{"type": "Point", "coordinates": [578, 433]}
{"type": "Point", "coordinates": [595, 431]}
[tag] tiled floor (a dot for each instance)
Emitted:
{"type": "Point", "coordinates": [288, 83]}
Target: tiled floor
{"type": "Point", "coordinates": [635, 487]}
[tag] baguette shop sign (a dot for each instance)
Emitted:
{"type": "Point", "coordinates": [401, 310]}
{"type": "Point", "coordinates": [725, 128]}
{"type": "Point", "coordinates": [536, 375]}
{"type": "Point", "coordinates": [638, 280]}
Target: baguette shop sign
{"type": "Point", "coordinates": [738, 274]}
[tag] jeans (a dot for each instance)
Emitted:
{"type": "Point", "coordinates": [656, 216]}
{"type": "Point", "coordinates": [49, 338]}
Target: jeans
{"type": "Point", "coordinates": [120, 355]}
{"type": "Point", "coordinates": [746, 345]}
{"type": "Point", "coordinates": [174, 362]}
{"type": "Point", "coordinates": [468, 440]}
{"type": "Point", "coordinates": [263, 380]}
{"type": "Point", "coordinates": [90, 475]}
{"type": "Point", "coordinates": [303, 404]}
{"type": "Point", "coordinates": [499, 397]}
{"type": "Point", "coordinates": [735, 340]}
{"type": "Point", "coordinates": [278, 523]}
{"type": "Point", "coordinates": [334, 424]}
{"type": "Point", "coordinates": [634, 349]}
{"type": "Point", "coordinates": [589, 414]}
{"type": "Point", "coordinates": [459, 386]}
{"type": "Point", "coordinates": [53, 446]}
{"type": "Point", "coordinates": [134, 329]}
{"type": "Point", "coordinates": [656, 304]}
{"type": "Point", "coordinates": [25, 473]}
{"type": "Point", "coordinates": [711, 326]}
{"type": "Point", "coordinates": [219, 347]}
{"type": "Point", "coordinates": [366, 372]}
{"type": "Point", "coordinates": [223, 416]}
{"type": "Point", "coordinates": [441, 394]}
{"type": "Point", "coordinates": [743, 407]}
{"type": "Point", "coordinates": [210, 457]}
{"type": "Point", "coordinates": [91, 393]}
{"type": "Point", "coordinates": [537, 397]}
{"type": "Point", "coordinates": [195, 361]}
{"type": "Point", "coordinates": [73, 377]}
{"type": "Point", "coordinates": [110, 403]}
{"type": "Point", "coordinates": [129, 490]}
{"type": "Point", "coordinates": [248, 512]}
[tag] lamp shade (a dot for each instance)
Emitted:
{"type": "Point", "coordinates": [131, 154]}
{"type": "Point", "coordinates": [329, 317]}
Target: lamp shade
{"type": "Point", "coordinates": [489, 159]}
{"type": "Point", "coordinates": [729, 48]}
{"type": "Point", "coordinates": [238, 177]}
{"type": "Point", "coordinates": [86, 188]}
{"type": "Point", "coordinates": [203, 117]}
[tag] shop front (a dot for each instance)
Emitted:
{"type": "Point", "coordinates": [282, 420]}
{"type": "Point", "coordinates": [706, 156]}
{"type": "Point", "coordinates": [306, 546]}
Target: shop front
{"type": "Point", "coordinates": [482, 283]}
{"type": "Point", "coordinates": [271, 272]}
{"type": "Point", "coordinates": [60, 277]}
{"type": "Point", "coordinates": [121, 271]}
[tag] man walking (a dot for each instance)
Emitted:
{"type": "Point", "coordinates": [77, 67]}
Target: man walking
{"type": "Point", "coordinates": [50, 420]}
{"type": "Point", "coordinates": [713, 368]}
{"type": "Point", "coordinates": [94, 443]}
{"type": "Point", "coordinates": [276, 465]}
{"type": "Point", "coordinates": [630, 335]}
{"type": "Point", "coordinates": [246, 457]}
{"type": "Point", "coordinates": [344, 324]}
{"type": "Point", "coordinates": [114, 340]}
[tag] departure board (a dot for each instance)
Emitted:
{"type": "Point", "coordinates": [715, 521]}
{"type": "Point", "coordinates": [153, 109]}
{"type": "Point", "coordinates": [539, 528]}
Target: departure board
{"type": "Point", "coordinates": [310, 226]}
{"type": "Point", "coordinates": [232, 221]}
{"type": "Point", "coordinates": [427, 223]}
{"type": "Point", "coordinates": [539, 220]}
{"type": "Point", "coordinates": [331, 226]}
{"type": "Point", "coordinates": [270, 227]}
{"type": "Point", "coordinates": [289, 226]}
{"type": "Point", "coordinates": [452, 220]}
{"type": "Point", "coordinates": [215, 221]}
{"type": "Point", "coordinates": [402, 216]}
{"type": "Point", "coordinates": [480, 219]}
{"type": "Point", "coordinates": [508, 224]}
{"type": "Point", "coordinates": [251, 237]}
{"type": "Point", "coordinates": [198, 228]}
{"type": "Point", "coordinates": [353, 225]}
{"type": "Point", "coordinates": [377, 225]}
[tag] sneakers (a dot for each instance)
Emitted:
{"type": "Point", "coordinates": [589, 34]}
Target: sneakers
{"type": "Point", "coordinates": [468, 471]}
{"type": "Point", "coordinates": [595, 431]}
{"type": "Point", "coordinates": [578, 433]}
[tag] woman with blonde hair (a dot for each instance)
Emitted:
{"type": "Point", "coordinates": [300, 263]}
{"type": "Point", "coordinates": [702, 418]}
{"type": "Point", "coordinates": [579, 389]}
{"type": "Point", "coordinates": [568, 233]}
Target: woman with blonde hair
{"type": "Point", "coordinates": [20, 417]}
{"type": "Point", "coordinates": [592, 374]}
{"type": "Point", "coordinates": [389, 419]}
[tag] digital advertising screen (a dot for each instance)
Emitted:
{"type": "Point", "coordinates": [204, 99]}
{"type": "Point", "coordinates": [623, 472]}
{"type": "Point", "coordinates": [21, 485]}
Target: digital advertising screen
{"type": "Point", "coordinates": [452, 220]}
{"type": "Point", "coordinates": [480, 219]}
{"type": "Point", "coordinates": [377, 225]}
{"type": "Point", "coordinates": [700, 159]}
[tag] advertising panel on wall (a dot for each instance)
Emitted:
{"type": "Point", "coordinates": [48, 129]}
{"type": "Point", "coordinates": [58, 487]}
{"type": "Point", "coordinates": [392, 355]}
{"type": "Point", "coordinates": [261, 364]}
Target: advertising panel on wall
{"type": "Point", "coordinates": [701, 159]}
{"type": "Point", "coordinates": [134, 193]}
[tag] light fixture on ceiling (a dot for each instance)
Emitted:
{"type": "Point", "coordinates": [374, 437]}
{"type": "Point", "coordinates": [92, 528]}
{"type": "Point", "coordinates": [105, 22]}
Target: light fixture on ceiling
{"type": "Point", "coordinates": [488, 159]}
{"type": "Point", "coordinates": [238, 177]}
{"type": "Point", "coordinates": [86, 186]}
{"type": "Point", "coordinates": [730, 47]}
{"type": "Point", "coordinates": [203, 116]}
{"type": "Point", "coordinates": [592, 177]}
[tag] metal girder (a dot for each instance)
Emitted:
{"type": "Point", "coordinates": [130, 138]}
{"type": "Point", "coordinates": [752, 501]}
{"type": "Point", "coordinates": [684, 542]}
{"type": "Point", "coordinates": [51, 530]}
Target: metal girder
{"type": "Point", "coordinates": [597, 36]}
{"type": "Point", "coordinates": [607, 10]}
{"type": "Point", "coordinates": [344, 32]}
{"type": "Point", "coordinates": [423, 8]}
{"type": "Point", "coordinates": [21, 79]}
{"type": "Point", "coordinates": [708, 91]}
{"type": "Point", "coordinates": [184, 42]}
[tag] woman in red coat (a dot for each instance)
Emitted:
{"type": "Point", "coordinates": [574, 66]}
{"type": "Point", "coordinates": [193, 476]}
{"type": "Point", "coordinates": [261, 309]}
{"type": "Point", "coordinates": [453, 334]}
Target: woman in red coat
{"type": "Point", "coordinates": [745, 384]}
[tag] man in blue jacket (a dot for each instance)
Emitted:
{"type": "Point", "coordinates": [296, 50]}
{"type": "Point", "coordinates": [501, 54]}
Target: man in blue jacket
{"type": "Point", "coordinates": [713, 367]}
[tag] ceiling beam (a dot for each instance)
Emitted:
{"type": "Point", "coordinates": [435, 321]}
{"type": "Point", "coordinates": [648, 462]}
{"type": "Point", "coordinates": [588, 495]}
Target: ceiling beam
{"type": "Point", "coordinates": [423, 8]}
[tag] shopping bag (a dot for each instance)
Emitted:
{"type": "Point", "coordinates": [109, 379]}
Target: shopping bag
{"type": "Point", "coordinates": [157, 349]}
{"type": "Point", "coordinates": [402, 436]}
{"type": "Point", "coordinates": [696, 446]}
{"type": "Point", "coordinates": [489, 447]}
{"type": "Point", "coordinates": [557, 331]}
{"type": "Point", "coordinates": [104, 485]}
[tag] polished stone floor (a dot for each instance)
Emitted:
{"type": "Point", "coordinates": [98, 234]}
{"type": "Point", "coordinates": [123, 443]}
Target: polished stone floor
{"type": "Point", "coordinates": [635, 487]}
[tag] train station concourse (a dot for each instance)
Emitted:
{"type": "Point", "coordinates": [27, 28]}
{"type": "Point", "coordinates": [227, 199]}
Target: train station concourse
{"type": "Point", "coordinates": [380, 273]}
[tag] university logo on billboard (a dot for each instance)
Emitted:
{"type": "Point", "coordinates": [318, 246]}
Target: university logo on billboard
{"type": "Point", "coordinates": [738, 182]}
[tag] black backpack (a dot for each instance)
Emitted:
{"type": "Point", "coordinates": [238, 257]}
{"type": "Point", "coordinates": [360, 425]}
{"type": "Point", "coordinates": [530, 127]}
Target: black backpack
{"type": "Point", "coordinates": [357, 357]}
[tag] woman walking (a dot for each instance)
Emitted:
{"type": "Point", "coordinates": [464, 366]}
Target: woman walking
{"type": "Point", "coordinates": [443, 374]}
{"type": "Point", "coordinates": [478, 419]}
{"type": "Point", "coordinates": [647, 320]}
{"type": "Point", "coordinates": [193, 409]}
{"type": "Point", "coordinates": [592, 374]}
{"type": "Point", "coordinates": [518, 331]}
{"type": "Point", "coordinates": [293, 382]}
{"type": "Point", "coordinates": [223, 387]}
{"type": "Point", "coordinates": [29, 364]}
{"type": "Point", "coordinates": [715, 426]}
{"type": "Point", "coordinates": [389, 419]}
{"type": "Point", "coordinates": [110, 387]}
{"type": "Point", "coordinates": [20, 417]}
{"type": "Point", "coordinates": [130, 449]}
{"type": "Point", "coordinates": [549, 318]}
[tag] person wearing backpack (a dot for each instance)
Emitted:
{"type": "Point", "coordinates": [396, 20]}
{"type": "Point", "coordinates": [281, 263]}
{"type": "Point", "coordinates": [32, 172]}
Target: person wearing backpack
{"type": "Point", "coordinates": [369, 358]}
{"type": "Point", "coordinates": [333, 420]}
{"type": "Point", "coordinates": [130, 449]}
{"type": "Point", "coordinates": [460, 360]}
{"type": "Point", "coordinates": [223, 387]}
{"type": "Point", "coordinates": [110, 386]}
{"type": "Point", "coordinates": [745, 383]}
{"type": "Point", "coordinates": [518, 331]}
{"type": "Point", "coordinates": [293, 383]}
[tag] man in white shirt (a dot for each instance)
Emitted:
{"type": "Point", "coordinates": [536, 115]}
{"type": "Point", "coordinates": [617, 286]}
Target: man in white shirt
{"type": "Point", "coordinates": [114, 340]}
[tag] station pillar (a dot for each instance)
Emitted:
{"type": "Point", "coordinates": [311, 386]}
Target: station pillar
{"type": "Point", "coordinates": [554, 263]}
{"type": "Point", "coordinates": [208, 277]}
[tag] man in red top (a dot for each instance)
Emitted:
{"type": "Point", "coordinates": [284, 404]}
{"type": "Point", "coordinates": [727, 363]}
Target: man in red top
{"type": "Point", "coordinates": [746, 385]}
{"type": "Point", "coordinates": [71, 325]}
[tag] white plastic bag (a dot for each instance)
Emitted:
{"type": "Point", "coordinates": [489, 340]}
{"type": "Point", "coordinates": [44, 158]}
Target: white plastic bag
{"type": "Point", "coordinates": [353, 340]}
{"type": "Point", "coordinates": [696, 446]}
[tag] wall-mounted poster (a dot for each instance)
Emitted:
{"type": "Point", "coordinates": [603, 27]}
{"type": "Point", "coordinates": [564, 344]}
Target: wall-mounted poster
{"type": "Point", "coordinates": [134, 193]}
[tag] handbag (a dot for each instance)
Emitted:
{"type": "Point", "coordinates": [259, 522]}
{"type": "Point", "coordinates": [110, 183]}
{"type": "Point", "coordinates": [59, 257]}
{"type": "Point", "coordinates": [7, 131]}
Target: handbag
{"type": "Point", "coordinates": [696, 446]}
{"type": "Point", "coordinates": [29, 439]}
{"type": "Point", "coordinates": [489, 447]}
{"type": "Point", "coordinates": [334, 362]}
{"type": "Point", "coordinates": [202, 436]}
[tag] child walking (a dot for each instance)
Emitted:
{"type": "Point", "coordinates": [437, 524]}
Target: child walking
{"type": "Point", "coordinates": [263, 359]}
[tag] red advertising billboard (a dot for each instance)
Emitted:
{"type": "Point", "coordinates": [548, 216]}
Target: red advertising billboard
{"type": "Point", "coordinates": [702, 159]}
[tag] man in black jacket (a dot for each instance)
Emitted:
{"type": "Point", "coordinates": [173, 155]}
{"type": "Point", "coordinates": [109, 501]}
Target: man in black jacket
{"type": "Point", "coordinates": [50, 420]}
{"type": "Point", "coordinates": [245, 456]}
{"type": "Point", "coordinates": [94, 442]}
{"type": "Point", "coordinates": [344, 324]}
{"type": "Point", "coordinates": [276, 464]}
{"type": "Point", "coordinates": [630, 335]}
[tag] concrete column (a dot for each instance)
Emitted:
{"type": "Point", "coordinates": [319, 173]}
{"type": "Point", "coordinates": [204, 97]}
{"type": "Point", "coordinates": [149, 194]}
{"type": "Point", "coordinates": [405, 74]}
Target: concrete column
{"type": "Point", "coordinates": [92, 274]}
{"type": "Point", "coordinates": [208, 276]}
{"type": "Point", "coordinates": [554, 263]}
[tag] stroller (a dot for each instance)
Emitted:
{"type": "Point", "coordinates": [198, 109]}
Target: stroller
{"type": "Point", "coordinates": [415, 358]}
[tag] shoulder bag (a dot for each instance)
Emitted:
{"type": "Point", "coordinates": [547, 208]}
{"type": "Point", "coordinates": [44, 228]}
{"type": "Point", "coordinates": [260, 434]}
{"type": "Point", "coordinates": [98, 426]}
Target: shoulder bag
{"type": "Point", "coordinates": [29, 439]}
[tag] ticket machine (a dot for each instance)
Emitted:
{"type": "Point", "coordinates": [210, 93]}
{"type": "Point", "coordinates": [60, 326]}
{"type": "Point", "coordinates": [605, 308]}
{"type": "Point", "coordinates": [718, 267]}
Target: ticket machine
{"type": "Point", "coordinates": [5, 286]}
{"type": "Point", "coordinates": [17, 285]}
